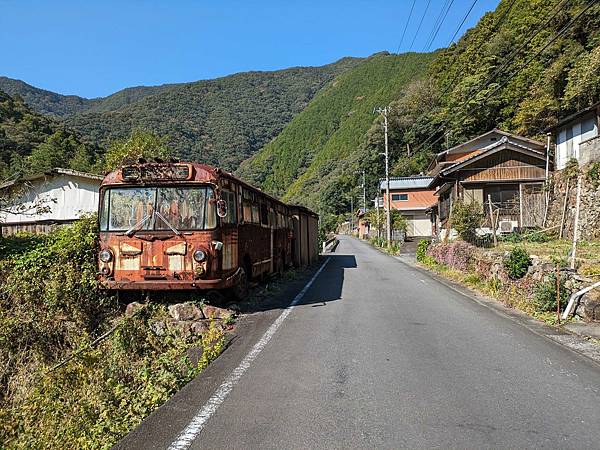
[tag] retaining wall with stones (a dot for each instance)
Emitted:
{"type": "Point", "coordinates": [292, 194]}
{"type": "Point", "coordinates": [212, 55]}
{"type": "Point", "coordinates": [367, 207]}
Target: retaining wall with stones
{"type": "Point", "coordinates": [589, 209]}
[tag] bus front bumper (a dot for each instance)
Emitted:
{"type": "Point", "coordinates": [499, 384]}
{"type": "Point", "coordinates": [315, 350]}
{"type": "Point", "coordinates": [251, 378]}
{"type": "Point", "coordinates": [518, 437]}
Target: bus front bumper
{"type": "Point", "coordinates": [172, 284]}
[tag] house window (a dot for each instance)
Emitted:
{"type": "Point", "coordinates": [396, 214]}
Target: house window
{"type": "Point", "coordinates": [399, 197]}
{"type": "Point", "coordinates": [505, 197]}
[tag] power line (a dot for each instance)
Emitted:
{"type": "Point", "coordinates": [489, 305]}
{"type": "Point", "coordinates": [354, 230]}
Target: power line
{"type": "Point", "coordinates": [559, 34]}
{"type": "Point", "coordinates": [463, 22]}
{"type": "Point", "coordinates": [505, 13]}
{"type": "Point", "coordinates": [515, 52]}
{"type": "Point", "coordinates": [439, 26]}
{"type": "Point", "coordinates": [420, 23]}
{"type": "Point", "coordinates": [437, 20]}
{"type": "Point", "coordinates": [496, 27]}
{"type": "Point", "coordinates": [406, 26]}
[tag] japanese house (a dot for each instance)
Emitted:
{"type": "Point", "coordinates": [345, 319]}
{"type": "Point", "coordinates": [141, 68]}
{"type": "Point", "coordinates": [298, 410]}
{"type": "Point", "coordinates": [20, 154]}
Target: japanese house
{"type": "Point", "coordinates": [503, 172]}
{"type": "Point", "coordinates": [362, 224]}
{"type": "Point", "coordinates": [412, 196]}
{"type": "Point", "coordinates": [43, 201]}
{"type": "Point", "coordinates": [576, 136]}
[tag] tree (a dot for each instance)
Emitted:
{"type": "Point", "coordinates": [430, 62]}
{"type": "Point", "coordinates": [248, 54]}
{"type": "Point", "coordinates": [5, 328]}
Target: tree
{"type": "Point", "coordinates": [57, 151]}
{"type": "Point", "coordinates": [466, 219]}
{"type": "Point", "coordinates": [141, 144]}
{"type": "Point", "coordinates": [399, 222]}
{"type": "Point", "coordinates": [376, 218]}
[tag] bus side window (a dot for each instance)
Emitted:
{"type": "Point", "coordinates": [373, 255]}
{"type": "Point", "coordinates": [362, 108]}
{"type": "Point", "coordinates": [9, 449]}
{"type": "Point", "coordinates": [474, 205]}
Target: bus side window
{"type": "Point", "coordinates": [247, 206]}
{"type": "Point", "coordinates": [255, 210]}
{"type": "Point", "coordinates": [231, 216]}
{"type": "Point", "coordinates": [264, 214]}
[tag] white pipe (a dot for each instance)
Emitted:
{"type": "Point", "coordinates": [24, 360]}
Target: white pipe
{"type": "Point", "coordinates": [575, 296]}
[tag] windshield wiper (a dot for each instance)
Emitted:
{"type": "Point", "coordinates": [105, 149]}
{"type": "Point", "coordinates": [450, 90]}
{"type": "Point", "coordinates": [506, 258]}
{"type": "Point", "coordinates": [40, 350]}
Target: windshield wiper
{"type": "Point", "coordinates": [173, 229]}
{"type": "Point", "coordinates": [137, 226]}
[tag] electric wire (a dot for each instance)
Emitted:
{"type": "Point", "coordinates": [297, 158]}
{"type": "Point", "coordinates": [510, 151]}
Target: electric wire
{"type": "Point", "coordinates": [420, 23]}
{"type": "Point", "coordinates": [462, 22]}
{"type": "Point", "coordinates": [406, 25]}
{"type": "Point", "coordinates": [439, 26]}
{"type": "Point", "coordinates": [437, 20]}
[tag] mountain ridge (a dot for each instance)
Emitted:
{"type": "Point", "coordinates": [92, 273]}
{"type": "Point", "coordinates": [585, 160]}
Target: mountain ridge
{"type": "Point", "coordinates": [221, 121]}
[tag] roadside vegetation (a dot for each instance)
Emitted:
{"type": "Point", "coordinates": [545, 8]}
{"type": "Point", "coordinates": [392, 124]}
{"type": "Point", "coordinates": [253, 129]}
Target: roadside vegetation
{"type": "Point", "coordinates": [377, 219]}
{"type": "Point", "coordinates": [519, 273]}
{"type": "Point", "coordinates": [76, 372]}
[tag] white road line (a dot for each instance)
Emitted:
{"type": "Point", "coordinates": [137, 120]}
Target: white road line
{"type": "Point", "coordinates": [193, 429]}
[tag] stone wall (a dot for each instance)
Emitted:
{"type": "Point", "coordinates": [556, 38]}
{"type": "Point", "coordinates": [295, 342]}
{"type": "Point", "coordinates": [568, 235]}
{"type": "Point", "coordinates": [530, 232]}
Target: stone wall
{"type": "Point", "coordinates": [488, 265]}
{"type": "Point", "coordinates": [589, 151]}
{"type": "Point", "coordinates": [589, 210]}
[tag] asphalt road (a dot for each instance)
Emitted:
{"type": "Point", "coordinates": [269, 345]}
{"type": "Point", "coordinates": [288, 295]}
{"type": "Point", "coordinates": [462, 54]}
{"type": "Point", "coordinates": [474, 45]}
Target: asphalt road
{"type": "Point", "coordinates": [380, 355]}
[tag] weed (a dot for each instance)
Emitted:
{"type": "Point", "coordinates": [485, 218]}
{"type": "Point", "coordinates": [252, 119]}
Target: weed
{"type": "Point", "coordinates": [545, 294]}
{"type": "Point", "coordinates": [422, 247]}
{"type": "Point", "coordinates": [517, 263]}
{"type": "Point", "coordinates": [51, 309]}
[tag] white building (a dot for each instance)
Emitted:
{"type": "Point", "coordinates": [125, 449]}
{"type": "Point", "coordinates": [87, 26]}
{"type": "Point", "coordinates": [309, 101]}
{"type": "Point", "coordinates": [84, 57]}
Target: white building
{"type": "Point", "coordinates": [46, 200]}
{"type": "Point", "coordinates": [576, 137]}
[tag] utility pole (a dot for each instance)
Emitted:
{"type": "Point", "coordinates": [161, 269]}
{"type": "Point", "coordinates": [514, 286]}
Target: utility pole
{"type": "Point", "coordinates": [364, 186]}
{"type": "Point", "coordinates": [351, 215]}
{"type": "Point", "coordinates": [388, 205]}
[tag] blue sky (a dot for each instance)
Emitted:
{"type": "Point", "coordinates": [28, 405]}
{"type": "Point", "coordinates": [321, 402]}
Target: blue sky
{"type": "Point", "coordinates": [93, 48]}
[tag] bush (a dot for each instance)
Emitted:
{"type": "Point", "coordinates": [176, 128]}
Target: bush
{"type": "Point", "coordinates": [545, 294]}
{"type": "Point", "coordinates": [459, 255]}
{"type": "Point", "coordinates": [593, 174]}
{"type": "Point", "coordinates": [466, 219]}
{"type": "Point", "coordinates": [50, 308]}
{"type": "Point", "coordinates": [534, 236]}
{"type": "Point", "coordinates": [422, 247]}
{"type": "Point", "coordinates": [539, 237]}
{"type": "Point", "coordinates": [517, 263]}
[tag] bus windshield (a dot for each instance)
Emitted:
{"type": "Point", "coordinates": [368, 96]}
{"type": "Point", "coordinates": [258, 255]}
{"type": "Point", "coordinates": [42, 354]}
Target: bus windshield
{"type": "Point", "coordinates": [158, 208]}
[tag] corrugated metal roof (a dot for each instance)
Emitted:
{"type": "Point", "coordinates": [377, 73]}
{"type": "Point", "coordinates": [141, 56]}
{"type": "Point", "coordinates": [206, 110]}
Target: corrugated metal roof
{"type": "Point", "coordinates": [406, 183]}
{"type": "Point", "coordinates": [52, 172]}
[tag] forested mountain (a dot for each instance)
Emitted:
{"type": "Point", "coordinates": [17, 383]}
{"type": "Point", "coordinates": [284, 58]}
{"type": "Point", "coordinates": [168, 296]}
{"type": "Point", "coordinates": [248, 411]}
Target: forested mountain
{"type": "Point", "coordinates": [30, 142]}
{"type": "Point", "coordinates": [305, 160]}
{"type": "Point", "coordinates": [520, 69]}
{"type": "Point", "coordinates": [221, 121]}
{"type": "Point", "coordinates": [51, 103]}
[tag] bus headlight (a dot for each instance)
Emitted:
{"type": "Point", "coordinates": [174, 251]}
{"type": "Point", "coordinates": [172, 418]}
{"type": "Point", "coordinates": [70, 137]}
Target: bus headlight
{"type": "Point", "coordinates": [199, 256]}
{"type": "Point", "coordinates": [105, 256]}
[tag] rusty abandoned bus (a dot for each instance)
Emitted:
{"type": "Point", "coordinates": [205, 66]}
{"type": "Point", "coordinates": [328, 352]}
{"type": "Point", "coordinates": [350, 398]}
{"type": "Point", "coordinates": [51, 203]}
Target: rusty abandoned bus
{"type": "Point", "coordinates": [188, 226]}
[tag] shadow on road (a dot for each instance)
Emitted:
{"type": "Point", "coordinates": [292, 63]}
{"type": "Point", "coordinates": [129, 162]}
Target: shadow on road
{"type": "Point", "coordinates": [330, 282]}
{"type": "Point", "coordinates": [279, 293]}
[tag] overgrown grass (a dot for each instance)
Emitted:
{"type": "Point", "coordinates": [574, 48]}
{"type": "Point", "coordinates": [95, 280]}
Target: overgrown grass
{"type": "Point", "coordinates": [51, 310]}
{"type": "Point", "coordinates": [588, 252]}
{"type": "Point", "coordinates": [535, 299]}
{"type": "Point", "coordinates": [394, 249]}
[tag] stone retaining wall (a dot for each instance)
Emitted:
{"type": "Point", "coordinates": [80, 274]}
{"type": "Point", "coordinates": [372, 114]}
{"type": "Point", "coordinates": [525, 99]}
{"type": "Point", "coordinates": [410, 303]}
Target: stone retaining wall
{"type": "Point", "coordinates": [589, 209]}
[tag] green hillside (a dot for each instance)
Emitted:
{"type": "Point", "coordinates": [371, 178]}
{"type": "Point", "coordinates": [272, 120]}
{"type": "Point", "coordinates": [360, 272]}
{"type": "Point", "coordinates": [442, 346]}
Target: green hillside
{"type": "Point", "coordinates": [30, 142]}
{"type": "Point", "coordinates": [299, 163]}
{"type": "Point", "coordinates": [221, 121]}
{"type": "Point", "coordinates": [521, 69]}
